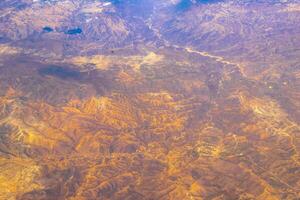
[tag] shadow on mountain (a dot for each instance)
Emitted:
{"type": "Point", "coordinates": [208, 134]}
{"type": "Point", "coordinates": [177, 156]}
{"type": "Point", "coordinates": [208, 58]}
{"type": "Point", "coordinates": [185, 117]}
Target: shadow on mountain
{"type": "Point", "coordinates": [184, 5]}
{"type": "Point", "coordinates": [133, 8]}
{"type": "Point", "coordinates": [60, 72]}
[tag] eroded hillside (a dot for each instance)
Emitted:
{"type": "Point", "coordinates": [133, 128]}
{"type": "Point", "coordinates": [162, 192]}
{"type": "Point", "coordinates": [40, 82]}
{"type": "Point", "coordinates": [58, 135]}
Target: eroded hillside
{"type": "Point", "coordinates": [149, 100]}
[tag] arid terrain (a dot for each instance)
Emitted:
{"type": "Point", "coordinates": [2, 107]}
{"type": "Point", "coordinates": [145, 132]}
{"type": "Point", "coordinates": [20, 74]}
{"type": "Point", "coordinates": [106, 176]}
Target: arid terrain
{"type": "Point", "coordinates": [149, 100]}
